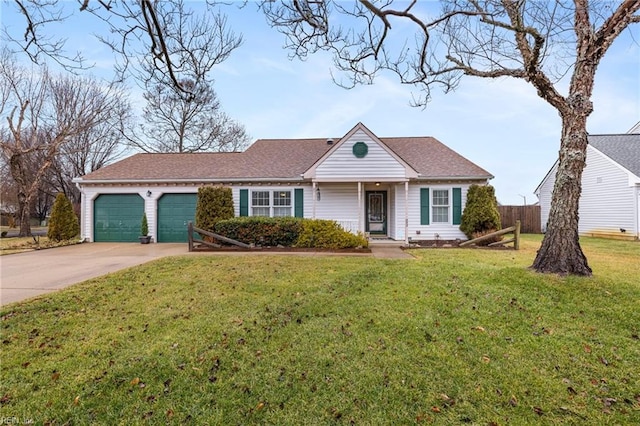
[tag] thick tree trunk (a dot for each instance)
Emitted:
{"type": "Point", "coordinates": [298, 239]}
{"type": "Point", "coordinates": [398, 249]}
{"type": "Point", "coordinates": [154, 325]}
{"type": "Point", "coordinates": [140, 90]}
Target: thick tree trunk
{"type": "Point", "coordinates": [560, 252]}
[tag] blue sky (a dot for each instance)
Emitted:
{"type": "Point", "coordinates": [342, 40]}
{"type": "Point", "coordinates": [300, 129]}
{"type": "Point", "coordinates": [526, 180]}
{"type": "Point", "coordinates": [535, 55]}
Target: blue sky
{"type": "Point", "coordinates": [501, 125]}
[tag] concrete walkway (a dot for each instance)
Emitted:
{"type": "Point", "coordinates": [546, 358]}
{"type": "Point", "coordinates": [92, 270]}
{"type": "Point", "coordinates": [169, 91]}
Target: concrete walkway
{"type": "Point", "coordinates": [30, 274]}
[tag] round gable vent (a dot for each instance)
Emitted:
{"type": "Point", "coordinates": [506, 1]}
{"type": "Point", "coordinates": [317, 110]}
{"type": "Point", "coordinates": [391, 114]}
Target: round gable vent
{"type": "Point", "coordinates": [360, 149]}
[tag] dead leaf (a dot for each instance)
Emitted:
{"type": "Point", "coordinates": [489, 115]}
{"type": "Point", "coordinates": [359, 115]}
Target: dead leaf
{"type": "Point", "coordinates": [513, 401]}
{"type": "Point", "coordinates": [135, 381]}
{"type": "Point", "coordinates": [55, 375]}
{"type": "Point", "coordinates": [479, 328]}
{"type": "Point", "coordinates": [435, 409]}
{"type": "Point", "coordinates": [76, 401]}
{"type": "Point", "coordinates": [170, 413]}
{"type": "Point", "coordinates": [538, 411]}
{"type": "Point", "coordinates": [486, 359]}
{"type": "Point", "coordinates": [260, 406]}
{"type": "Point", "coordinates": [587, 349]}
{"type": "Point", "coordinates": [5, 399]}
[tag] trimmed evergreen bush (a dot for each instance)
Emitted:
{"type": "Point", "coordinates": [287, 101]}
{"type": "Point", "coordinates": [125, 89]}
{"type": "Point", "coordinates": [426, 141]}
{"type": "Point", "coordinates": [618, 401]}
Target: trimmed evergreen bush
{"type": "Point", "coordinates": [481, 216]}
{"type": "Point", "coordinates": [214, 203]}
{"type": "Point", "coordinates": [144, 226]}
{"type": "Point", "coordinates": [327, 234]}
{"type": "Point", "coordinates": [63, 224]}
{"type": "Point", "coordinates": [261, 231]}
{"type": "Point", "coordinates": [289, 232]}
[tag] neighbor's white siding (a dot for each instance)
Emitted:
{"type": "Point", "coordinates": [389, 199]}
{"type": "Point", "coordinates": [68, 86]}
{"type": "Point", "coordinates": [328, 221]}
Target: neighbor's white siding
{"type": "Point", "coordinates": [544, 196]}
{"type": "Point", "coordinates": [342, 165]}
{"type": "Point", "coordinates": [607, 202]}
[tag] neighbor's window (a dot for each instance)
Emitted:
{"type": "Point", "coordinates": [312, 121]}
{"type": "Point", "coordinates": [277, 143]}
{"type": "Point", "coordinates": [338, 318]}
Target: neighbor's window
{"type": "Point", "coordinates": [266, 203]}
{"type": "Point", "coordinates": [440, 206]}
{"type": "Point", "coordinates": [281, 203]}
{"type": "Point", "coordinates": [260, 203]}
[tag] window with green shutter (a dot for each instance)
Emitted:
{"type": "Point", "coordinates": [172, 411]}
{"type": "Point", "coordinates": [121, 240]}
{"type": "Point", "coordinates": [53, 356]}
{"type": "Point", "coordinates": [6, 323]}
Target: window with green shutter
{"type": "Point", "coordinates": [424, 206]}
{"type": "Point", "coordinates": [298, 201]}
{"type": "Point", "coordinates": [244, 202]}
{"type": "Point", "coordinates": [457, 205]}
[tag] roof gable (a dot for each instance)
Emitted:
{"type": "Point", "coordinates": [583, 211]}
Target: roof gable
{"type": "Point", "coordinates": [623, 149]}
{"type": "Point", "coordinates": [359, 155]}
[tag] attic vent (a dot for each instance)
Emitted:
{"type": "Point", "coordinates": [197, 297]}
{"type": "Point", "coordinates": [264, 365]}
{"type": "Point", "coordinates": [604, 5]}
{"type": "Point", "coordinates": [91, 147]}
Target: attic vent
{"type": "Point", "coordinates": [329, 141]}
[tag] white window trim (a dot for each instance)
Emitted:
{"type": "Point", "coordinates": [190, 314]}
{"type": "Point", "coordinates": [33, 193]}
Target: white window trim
{"type": "Point", "coordinates": [271, 202]}
{"type": "Point", "coordinates": [434, 205]}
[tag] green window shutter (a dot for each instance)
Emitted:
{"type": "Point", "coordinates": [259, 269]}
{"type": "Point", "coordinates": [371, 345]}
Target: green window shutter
{"type": "Point", "coordinates": [424, 206]}
{"type": "Point", "coordinates": [457, 205]}
{"type": "Point", "coordinates": [298, 210]}
{"type": "Point", "coordinates": [244, 202]}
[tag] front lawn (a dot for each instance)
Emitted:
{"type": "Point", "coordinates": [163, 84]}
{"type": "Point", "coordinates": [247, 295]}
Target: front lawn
{"type": "Point", "coordinates": [458, 336]}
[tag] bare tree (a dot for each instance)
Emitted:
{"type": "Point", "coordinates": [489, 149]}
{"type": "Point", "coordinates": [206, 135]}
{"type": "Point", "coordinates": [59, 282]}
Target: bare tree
{"type": "Point", "coordinates": [178, 123]}
{"type": "Point", "coordinates": [536, 41]}
{"type": "Point", "coordinates": [43, 114]}
{"type": "Point", "coordinates": [140, 30]}
{"type": "Point", "coordinates": [188, 118]}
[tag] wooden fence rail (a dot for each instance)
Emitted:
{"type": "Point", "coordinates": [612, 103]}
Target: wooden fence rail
{"type": "Point", "coordinates": [529, 217]}
{"type": "Point", "coordinates": [515, 240]}
{"type": "Point", "coordinates": [195, 243]}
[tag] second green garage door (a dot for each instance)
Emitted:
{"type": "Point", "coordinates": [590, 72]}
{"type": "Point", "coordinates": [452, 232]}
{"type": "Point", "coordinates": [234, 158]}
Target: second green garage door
{"type": "Point", "coordinates": [117, 217]}
{"type": "Point", "coordinates": [174, 211]}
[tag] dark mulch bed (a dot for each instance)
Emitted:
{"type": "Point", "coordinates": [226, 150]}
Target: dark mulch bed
{"type": "Point", "coordinates": [279, 249]}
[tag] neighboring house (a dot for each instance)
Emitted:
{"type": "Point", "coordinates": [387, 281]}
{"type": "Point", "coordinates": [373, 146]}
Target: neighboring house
{"type": "Point", "coordinates": [405, 188]}
{"type": "Point", "coordinates": [610, 200]}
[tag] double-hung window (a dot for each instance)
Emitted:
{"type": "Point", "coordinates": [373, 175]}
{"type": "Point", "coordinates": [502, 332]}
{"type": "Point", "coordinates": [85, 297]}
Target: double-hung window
{"type": "Point", "coordinates": [281, 203]}
{"type": "Point", "coordinates": [271, 203]}
{"type": "Point", "coordinates": [440, 206]}
{"type": "Point", "coordinates": [260, 203]}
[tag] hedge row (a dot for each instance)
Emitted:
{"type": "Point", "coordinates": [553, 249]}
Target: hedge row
{"type": "Point", "coordinates": [289, 232]}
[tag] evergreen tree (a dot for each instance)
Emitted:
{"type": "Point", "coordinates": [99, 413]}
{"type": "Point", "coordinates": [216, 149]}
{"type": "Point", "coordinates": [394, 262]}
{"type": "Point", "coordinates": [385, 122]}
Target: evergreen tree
{"type": "Point", "coordinates": [480, 216]}
{"type": "Point", "coordinates": [63, 224]}
{"type": "Point", "coordinates": [215, 203]}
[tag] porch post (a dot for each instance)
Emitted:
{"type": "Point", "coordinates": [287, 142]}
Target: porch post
{"type": "Point", "coordinates": [360, 227]}
{"type": "Point", "coordinates": [314, 196]}
{"type": "Point", "coordinates": [406, 212]}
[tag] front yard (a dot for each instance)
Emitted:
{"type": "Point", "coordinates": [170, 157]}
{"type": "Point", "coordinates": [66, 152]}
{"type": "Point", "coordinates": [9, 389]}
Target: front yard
{"type": "Point", "coordinates": [458, 336]}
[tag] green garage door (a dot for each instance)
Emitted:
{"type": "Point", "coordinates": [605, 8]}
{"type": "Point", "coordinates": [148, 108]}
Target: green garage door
{"type": "Point", "coordinates": [174, 211]}
{"type": "Point", "coordinates": [117, 217]}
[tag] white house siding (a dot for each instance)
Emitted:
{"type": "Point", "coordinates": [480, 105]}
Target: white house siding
{"type": "Point", "coordinates": [433, 231]}
{"type": "Point", "coordinates": [607, 202]}
{"type": "Point", "coordinates": [544, 196]}
{"type": "Point", "coordinates": [90, 193]}
{"type": "Point", "coordinates": [338, 202]}
{"type": "Point", "coordinates": [342, 165]}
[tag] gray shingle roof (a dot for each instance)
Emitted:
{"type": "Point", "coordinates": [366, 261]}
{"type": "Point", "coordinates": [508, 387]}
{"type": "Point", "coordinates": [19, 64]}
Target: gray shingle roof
{"type": "Point", "coordinates": [282, 158]}
{"type": "Point", "coordinates": [623, 149]}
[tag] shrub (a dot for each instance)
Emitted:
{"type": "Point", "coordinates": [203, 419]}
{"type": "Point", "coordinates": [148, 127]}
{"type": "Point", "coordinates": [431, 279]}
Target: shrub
{"type": "Point", "coordinates": [261, 231]}
{"type": "Point", "coordinates": [481, 216]}
{"type": "Point", "coordinates": [144, 225]}
{"type": "Point", "coordinates": [214, 203]}
{"type": "Point", "coordinates": [63, 224]}
{"type": "Point", "coordinates": [289, 232]}
{"type": "Point", "coordinates": [327, 234]}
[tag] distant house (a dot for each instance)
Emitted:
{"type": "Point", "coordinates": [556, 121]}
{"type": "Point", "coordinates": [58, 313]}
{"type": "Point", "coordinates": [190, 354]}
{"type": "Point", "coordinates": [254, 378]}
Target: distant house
{"type": "Point", "coordinates": [610, 200]}
{"type": "Point", "coordinates": [399, 188]}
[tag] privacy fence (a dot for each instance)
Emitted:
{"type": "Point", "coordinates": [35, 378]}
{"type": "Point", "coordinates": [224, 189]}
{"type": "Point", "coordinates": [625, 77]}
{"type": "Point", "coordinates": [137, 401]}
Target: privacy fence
{"type": "Point", "coordinates": [529, 217]}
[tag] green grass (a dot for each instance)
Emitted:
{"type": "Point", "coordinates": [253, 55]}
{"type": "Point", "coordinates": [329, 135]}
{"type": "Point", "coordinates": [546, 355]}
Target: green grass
{"type": "Point", "coordinates": [458, 336]}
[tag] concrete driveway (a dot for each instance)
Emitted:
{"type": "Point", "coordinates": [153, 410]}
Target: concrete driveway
{"type": "Point", "coordinates": [25, 275]}
{"type": "Point", "coordinates": [30, 274]}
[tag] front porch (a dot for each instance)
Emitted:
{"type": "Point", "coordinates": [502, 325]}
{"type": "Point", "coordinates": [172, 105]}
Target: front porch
{"type": "Point", "coordinates": [378, 209]}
